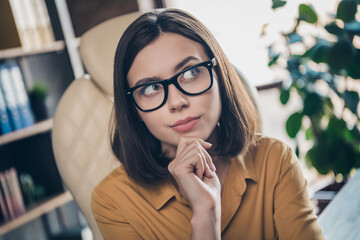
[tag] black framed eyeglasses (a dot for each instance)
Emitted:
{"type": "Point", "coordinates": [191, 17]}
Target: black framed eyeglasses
{"type": "Point", "coordinates": [191, 81]}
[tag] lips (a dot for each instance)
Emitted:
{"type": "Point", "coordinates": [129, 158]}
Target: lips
{"type": "Point", "coordinates": [186, 124]}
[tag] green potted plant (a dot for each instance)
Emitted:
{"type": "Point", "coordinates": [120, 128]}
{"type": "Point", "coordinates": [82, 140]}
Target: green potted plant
{"type": "Point", "coordinates": [324, 71]}
{"type": "Point", "coordinates": [38, 94]}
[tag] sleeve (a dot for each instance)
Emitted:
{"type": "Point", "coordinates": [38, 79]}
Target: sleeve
{"type": "Point", "coordinates": [111, 223]}
{"type": "Point", "coordinates": [293, 211]}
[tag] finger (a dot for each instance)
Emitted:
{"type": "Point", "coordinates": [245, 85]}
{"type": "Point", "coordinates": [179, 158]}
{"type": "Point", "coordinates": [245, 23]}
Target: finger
{"type": "Point", "coordinates": [194, 164]}
{"type": "Point", "coordinates": [193, 148]}
{"type": "Point", "coordinates": [209, 162]}
{"type": "Point", "coordinates": [200, 166]}
{"type": "Point", "coordinates": [208, 166]}
{"type": "Point", "coordinates": [186, 141]}
{"type": "Point", "coordinates": [196, 148]}
{"type": "Point", "coordinates": [186, 156]}
{"type": "Point", "coordinates": [208, 172]}
{"type": "Point", "coordinates": [200, 163]}
{"type": "Point", "coordinates": [205, 144]}
{"type": "Point", "coordinates": [206, 156]}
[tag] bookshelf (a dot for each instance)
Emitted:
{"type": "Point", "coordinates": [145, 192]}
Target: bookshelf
{"type": "Point", "coordinates": [29, 149]}
{"type": "Point", "coordinates": [20, 52]}
{"type": "Point", "coordinates": [57, 63]}
{"type": "Point", "coordinates": [37, 128]}
{"type": "Point", "coordinates": [36, 211]}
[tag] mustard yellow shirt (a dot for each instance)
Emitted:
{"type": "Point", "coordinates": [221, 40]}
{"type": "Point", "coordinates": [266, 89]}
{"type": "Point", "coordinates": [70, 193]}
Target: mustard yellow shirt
{"type": "Point", "coordinates": [264, 197]}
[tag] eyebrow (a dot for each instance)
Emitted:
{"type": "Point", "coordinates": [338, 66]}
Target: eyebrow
{"type": "Point", "coordinates": [185, 61]}
{"type": "Point", "coordinates": [176, 68]}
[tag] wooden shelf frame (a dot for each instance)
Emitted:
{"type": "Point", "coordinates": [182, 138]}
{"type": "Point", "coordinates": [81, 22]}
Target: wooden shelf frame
{"type": "Point", "coordinates": [37, 211]}
{"type": "Point", "coordinates": [20, 52]}
{"type": "Point", "coordinates": [37, 128]}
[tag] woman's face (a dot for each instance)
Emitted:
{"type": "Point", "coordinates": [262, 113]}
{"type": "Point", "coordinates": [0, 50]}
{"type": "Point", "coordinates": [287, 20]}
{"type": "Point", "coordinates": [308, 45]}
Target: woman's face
{"type": "Point", "coordinates": [181, 115]}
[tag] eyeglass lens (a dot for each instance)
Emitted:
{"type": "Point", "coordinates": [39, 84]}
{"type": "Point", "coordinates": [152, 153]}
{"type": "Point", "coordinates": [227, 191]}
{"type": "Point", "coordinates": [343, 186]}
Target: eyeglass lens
{"type": "Point", "coordinates": [194, 80]}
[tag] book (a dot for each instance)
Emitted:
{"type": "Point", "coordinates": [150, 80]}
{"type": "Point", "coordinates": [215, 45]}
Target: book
{"type": "Point", "coordinates": [43, 21]}
{"type": "Point", "coordinates": [29, 13]}
{"type": "Point", "coordinates": [5, 126]}
{"type": "Point", "coordinates": [21, 97]}
{"type": "Point", "coordinates": [9, 96]}
{"type": "Point", "coordinates": [22, 25]}
{"type": "Point", "coordinates": [15, 191]}
{"type": "Point", "coordinates": [7, 196]}
{"type": "Point", "coordinates": [3, 206]}
{"type": "Point", "coordinates": [32, 23]}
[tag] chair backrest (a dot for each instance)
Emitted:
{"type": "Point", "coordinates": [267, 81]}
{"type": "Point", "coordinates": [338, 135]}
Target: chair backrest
{"type": "Point", "coordinates": [80, 134]}
{"type": "Point", "coordinates": [81, 123]}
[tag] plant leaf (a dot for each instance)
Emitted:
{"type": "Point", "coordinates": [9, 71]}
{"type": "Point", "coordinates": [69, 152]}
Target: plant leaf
{"type": "Point", "coordinates": [297, 151]}
{"type": "Point", "coordinates": [317, 156]}
{"type": "Point", "coordinates": [353, 136]}
{"type": "Point", "coordinates": [346, 10]}
{"type": "Point", "coordinates": [340, 55]}
{"type": "Point", "coordinates": [307, 14]}
{"type": "Point", "coordinates": [293, 37]}
{"type": "Point", "coordinates": [312, 104]}
{"type": "Point", "coordinates": [351, 100]}
{"type": "Point", "coordinates": [353, 27]}
{"type": "Point", "coordinates": [333, 28]}
{"type": "Point", "coordinates": [277, 4]}
{"type": "Point", "coordinates": [309, 134]}
{"type": "Point", "coordinates": [293, 65]}
{"type": "Point", "coordinates": [344, 158]}
{"type": "Point", "coordinates": [284, 96]}
{"type": "Point", "coordinates": [312, 75]}
{"type": "Point", "coordinates": [353, 69]}
{"type": "Point", "coordinates": [336, 128]}
{"type": "Point", "coordinates": [273, 60]}
{"type": "Point", "coordinates": [293, 124]}
{"type": "Point", "coordinates": [321, 52]}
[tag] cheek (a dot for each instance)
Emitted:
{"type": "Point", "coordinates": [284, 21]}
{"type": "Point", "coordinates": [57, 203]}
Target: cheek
{"type": "Point", "coordinates": [151, 120]}
{"type": "Point", "coordinates": [145, 117]}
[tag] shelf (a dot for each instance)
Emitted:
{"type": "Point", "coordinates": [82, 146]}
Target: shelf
{"type": "Point", "coordinates": [27, 132]}
{"type": "Point", "coordinates": [36, 212]}
{"type": "Point", "coordinates": [19, 52]}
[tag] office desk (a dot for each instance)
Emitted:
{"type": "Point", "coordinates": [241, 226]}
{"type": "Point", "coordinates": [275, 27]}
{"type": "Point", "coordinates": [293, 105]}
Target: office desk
{"type": "Point", "coordinates": [341, 218]}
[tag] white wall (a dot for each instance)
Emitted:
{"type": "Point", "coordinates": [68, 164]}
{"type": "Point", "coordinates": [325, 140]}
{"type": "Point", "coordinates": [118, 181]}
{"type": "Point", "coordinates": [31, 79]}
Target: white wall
{"type": "Point", "coordinates": [237, 25]}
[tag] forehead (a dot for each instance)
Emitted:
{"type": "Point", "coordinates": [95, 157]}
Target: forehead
{"type": "Point", "coordinates": [159, 58]}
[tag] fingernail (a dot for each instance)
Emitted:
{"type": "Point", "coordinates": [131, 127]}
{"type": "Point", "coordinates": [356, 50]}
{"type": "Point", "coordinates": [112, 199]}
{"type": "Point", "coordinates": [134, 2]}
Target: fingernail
{"type": "Point", "coordinates": [213, 166]}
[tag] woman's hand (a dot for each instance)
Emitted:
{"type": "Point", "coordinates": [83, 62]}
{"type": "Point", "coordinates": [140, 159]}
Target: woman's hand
{"type": "Point", "coordinates": [194, 173]}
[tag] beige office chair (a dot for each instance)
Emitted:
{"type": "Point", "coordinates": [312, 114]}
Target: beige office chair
{"type": "Point", "coordinates": [81, 123]}
{"type": "Point", "coordinates": [80, 134]}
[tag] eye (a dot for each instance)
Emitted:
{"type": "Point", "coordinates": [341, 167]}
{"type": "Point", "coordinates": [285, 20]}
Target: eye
{"type": "Point", "coordinates": [151, 89]}
{"type": "Point", "coordinates": [191, 73]}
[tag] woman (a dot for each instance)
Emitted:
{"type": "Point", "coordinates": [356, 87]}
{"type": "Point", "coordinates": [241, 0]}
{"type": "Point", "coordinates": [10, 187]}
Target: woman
{"type": "Point", "coordinates": [185, 133]}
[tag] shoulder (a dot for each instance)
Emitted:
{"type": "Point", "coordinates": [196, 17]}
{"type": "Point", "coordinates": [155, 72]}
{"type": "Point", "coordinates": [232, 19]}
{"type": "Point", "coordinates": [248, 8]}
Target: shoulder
{"type": "Point", "coordinates": [114, 186]}
{"type": "Point", "coordinates": [115, 181]}
{"type": "Point", "coordinates": [267, 147]}
{"type": "Point", "coordinates": [117, 190]}
{"type": "Point", "coordinates": [103, 203]}
{"type": "Point", "coordinates": [266, 144]}
{"type": "Point", "coordinates": [271, 157]}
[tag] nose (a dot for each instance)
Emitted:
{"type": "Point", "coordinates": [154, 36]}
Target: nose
{"type": "Point", "coordinates": [176, 99]}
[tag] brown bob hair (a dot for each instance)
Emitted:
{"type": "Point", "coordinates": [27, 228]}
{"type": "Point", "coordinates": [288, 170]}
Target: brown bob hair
{"type": "Point", "coordinates": [132, 143]}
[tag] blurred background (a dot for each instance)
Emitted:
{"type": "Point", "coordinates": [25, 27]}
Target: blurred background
{"type": "Point", "coordinates": [303, 57]}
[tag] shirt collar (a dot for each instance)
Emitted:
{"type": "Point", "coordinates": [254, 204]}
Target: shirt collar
{"type": "Point", "coordinates": [245, 164]}
{"type": "Point", "coordinates": [242, 168]}
{"type": "Point", "coordinates": [159, 195]}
